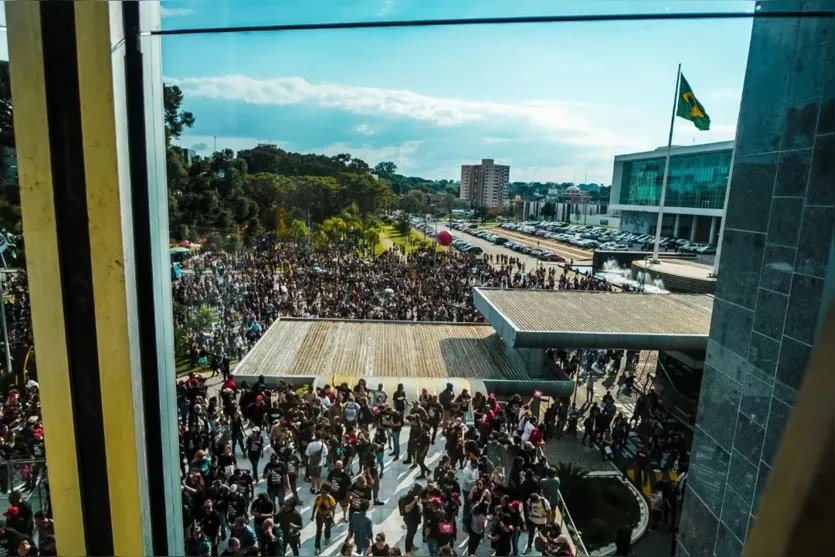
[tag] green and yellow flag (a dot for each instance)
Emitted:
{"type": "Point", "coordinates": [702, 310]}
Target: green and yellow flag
{"type": "Point", "coordinates": [690, 108]}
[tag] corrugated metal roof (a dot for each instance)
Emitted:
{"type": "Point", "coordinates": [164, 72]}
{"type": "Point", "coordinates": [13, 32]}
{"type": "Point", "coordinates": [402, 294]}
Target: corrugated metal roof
{"type": "Point", "coordinates": [603, 312]}
{"type": "Point", "coordinates": [324, 347]}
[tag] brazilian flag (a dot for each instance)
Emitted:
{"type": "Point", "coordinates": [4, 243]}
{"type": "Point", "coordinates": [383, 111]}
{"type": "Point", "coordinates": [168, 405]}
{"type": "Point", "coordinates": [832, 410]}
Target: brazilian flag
{"type": "Point", "coordinates": [690, 108]}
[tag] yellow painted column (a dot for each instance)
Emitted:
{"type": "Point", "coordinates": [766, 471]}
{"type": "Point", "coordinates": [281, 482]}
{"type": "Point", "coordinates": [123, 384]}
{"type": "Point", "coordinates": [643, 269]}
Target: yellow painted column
{"type": "Point", "coordinates": [26, 70]}
{"type": "Point", "coordinates": [104, 142]}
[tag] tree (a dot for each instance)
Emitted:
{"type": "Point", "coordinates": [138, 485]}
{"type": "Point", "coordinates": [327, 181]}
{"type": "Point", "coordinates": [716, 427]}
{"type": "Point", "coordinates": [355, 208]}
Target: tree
{"type": "Point", "coordinates": [335, 228]}
{"type": "Point", "coordinates": [176, 120]}
{"type": "Point", "coordinates": [403, 226]}
{"type": "Point", "coordinates": [548, 210]}
{"type": "Point", "coordinates": [481, 213]}
{"type": "Point", "coordinates": [386, 169]}
{"type": "Point", "coordinates": [298, 231]}
{"type": "Point", "coordinates": [320, 239]}
{"type": "Point", "coordinates": [413, 202]}
{"type": "Point", "coordinates": [371, 237]}
{"type": "Point", "coordinates": [447, 203]}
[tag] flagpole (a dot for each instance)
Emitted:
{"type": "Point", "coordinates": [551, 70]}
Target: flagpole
{"type": "Point", "coordinates": [666, 171]}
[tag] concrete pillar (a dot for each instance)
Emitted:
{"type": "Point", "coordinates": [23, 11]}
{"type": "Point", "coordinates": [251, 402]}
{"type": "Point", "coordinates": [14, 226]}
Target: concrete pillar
{"type": "Point", "coordinates": [536, 362]}
{"type": "Point", "coordinates": [712, 236]}
{"type": "Point", "coordinates": [676, 226]}
{"type": "Point", "coordinates": [693, 228]}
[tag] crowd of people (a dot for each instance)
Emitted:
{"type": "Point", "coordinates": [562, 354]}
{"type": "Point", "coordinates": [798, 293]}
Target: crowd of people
{"type": "Point", "coordinates": [23, 531]}
{"type": "Point", "coordinates": [260, 463]}
{"type": "Point", "coordinates": [249, 292]}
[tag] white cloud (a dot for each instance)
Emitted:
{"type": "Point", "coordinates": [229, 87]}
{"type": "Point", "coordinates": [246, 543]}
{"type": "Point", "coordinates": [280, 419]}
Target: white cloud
{"type": "Point", "coordinates": [401, 155]}
{"type": "Point", "coordinates": [223, 142]}
{"type": "Point", "coordinates": [561, 122]}
{"type": "Point", "coordinates": [386, 8]}
{"type": "Point", "coordinates": [363, 129]}
{"type": "Point", "coordinates": [494, 140]}
{"type": "Point", "coordinates": [173, 12]}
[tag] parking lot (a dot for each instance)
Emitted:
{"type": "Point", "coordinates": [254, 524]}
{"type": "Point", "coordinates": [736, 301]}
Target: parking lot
{"type": "Point", "coordinates": [431, 229]}
{"type": "Point", "coordinates": [592, 237]}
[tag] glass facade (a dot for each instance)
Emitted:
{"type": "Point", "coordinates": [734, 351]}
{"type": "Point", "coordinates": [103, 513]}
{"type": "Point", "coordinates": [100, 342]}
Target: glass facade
{"type": "Point", "coordinates": [697, 181]}
{"type": "Point", "coordinates": [772, 270]}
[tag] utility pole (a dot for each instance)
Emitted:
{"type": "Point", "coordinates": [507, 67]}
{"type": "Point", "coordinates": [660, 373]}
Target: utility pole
{"type": "Point", "coordinates": [3, 318]}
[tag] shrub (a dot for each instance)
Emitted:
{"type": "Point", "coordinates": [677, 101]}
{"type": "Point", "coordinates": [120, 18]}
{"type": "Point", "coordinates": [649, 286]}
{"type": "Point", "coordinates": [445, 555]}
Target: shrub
{"type": "Point", "coordinates": [599, 506]}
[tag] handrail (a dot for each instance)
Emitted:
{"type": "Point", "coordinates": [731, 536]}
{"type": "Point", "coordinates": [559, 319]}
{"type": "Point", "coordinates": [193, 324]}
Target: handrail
{"type": "Point", "coordinates": [11, 466]}
{"type": "Point", "coordinates": [578, 539]}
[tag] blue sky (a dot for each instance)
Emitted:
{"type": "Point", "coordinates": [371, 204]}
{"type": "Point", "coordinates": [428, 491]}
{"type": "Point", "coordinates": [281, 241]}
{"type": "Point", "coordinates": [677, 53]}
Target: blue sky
{"type": "Point", "coordinates": [555, 101]}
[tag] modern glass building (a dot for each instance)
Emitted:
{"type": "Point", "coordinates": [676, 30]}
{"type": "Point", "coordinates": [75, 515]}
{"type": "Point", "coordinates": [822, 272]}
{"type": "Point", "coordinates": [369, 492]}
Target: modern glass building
{"type": "Point", "coordinates": [773, 264]}
{"type": "Point", "coordinates": [696, 186]}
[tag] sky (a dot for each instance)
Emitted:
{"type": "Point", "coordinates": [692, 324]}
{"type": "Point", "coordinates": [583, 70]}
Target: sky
{"type": "Point", "coordinates": [554, 101]}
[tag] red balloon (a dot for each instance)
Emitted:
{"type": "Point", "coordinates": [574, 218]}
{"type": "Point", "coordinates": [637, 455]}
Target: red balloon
{"type": "Point", "coordinates": [444, 238]}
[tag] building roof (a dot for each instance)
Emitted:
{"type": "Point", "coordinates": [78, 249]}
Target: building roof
{"type": "Point", "coordinates": [354, 348]}
{"type": "Point", "coordinates": [677, 150]}
{"type": "Point", "coordinates": [588, 319]}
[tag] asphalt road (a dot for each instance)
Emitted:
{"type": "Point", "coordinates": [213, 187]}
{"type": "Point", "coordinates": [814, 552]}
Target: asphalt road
{"type": "Point", "coordinates": [495, 249]}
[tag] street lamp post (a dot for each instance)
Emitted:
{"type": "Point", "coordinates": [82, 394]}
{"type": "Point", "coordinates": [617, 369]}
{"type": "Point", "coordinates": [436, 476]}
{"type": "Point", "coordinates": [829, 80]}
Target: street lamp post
{"type": "Point", "coordinates": [5, 329]}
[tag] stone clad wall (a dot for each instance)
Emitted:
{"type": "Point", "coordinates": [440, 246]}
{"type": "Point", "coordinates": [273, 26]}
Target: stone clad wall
{"type": "Point", "coordinates": [771, 274]}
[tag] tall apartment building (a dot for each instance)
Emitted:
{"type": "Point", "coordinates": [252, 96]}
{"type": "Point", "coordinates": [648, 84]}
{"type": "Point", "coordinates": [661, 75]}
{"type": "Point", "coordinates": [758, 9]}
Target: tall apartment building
{"type": "Point", "coordinates": [485, 184]}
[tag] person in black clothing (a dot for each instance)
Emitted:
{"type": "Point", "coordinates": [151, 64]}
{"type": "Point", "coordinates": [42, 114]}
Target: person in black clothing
{"type": "Point", "coordinates": [254, 450]}
{"type": "Point", "coordinates": [271, 541]}
{"type": "Point", "coordinates": [421, 450]}
{"type": "Point", "coordinates": [395, 428]}
{"type": "Point", "coordinates": [262, 509]}
{"type": "Point", "coordinates": [290, 521]}
{"type": "Point", "coordinates": [340, 482]}
{"type": "Point", "coordinates": [588, 425]}
{"type": "Point", "coordinates": [442, 468]}
{"type": "Point", "coordinates": [276, 474]}
{"type": "Point", "coordinates": [399, 399]}
{"type": "Point", "coordinates": [195, 541]}
{"type": "Point", "coordinates": [209, 522]}
{"type": "Point", "coordinates": [233, 549]}
{"type": "Point", "coordinates": [24, 519]}
{"type": "Point", "coordinates": [411, 511]}
{"type": "Point", "coordinates": [446, 399]}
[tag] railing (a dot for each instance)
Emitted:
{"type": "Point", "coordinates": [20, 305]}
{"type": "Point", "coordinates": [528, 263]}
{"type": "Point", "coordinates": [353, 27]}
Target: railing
{"type": "Point", "coordinates": [572, 528]}
{"type": "Point", "coordinates": [565, 517]}
{"type": "Point", "coordinates": [16, 475]}
{"type": "Point", "coordinates": [28, 477]}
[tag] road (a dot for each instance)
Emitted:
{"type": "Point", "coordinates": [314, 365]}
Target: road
{"type": "Point", "coordinates": [565, 250]}
{"type": "Point", "coordinates": [495, 249]}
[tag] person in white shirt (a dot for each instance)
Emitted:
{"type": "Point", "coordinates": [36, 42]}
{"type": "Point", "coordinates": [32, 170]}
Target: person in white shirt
{"type": "Point", "coordinates": [527, 429]}
{"type": "Point", "coordinates": [317, 454]}
{"type": "Point", "coordinates": [469, 475]}
{"type": "Point", "coordinates": [537, 513]}
{"type": "Point", "coordinates": [325, 400]}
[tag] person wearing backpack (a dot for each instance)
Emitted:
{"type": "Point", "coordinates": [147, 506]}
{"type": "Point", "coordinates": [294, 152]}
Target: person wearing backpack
{"type": "Point", "coordinates": [412, 513]}
{"type": "Point", "coordinates": [537, 515]}
{"type": "Point", "coordinates": [476, 525]}
{"type": "Point", "coordinates": [323, 509]}
{"type": "Point", "coordinates": [350, 412]}
{"type": "Point", "coordinates": [317, 452]}
{"type": "Point", "coordinates": [446, 399]}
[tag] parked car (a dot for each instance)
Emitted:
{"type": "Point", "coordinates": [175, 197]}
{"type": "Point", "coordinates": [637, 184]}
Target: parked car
{"type": "Point", "coordinates": [548, 256]}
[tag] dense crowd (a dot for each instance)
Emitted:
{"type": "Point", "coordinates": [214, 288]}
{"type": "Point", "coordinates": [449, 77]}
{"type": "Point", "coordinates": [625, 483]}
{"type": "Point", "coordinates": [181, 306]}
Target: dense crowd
{"type": "Point", "coordinates": [327, 449]}
{"type": "Point", "coordinates": [22, 531]}
{"type": "Point", "coordinates": [248, 293]}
